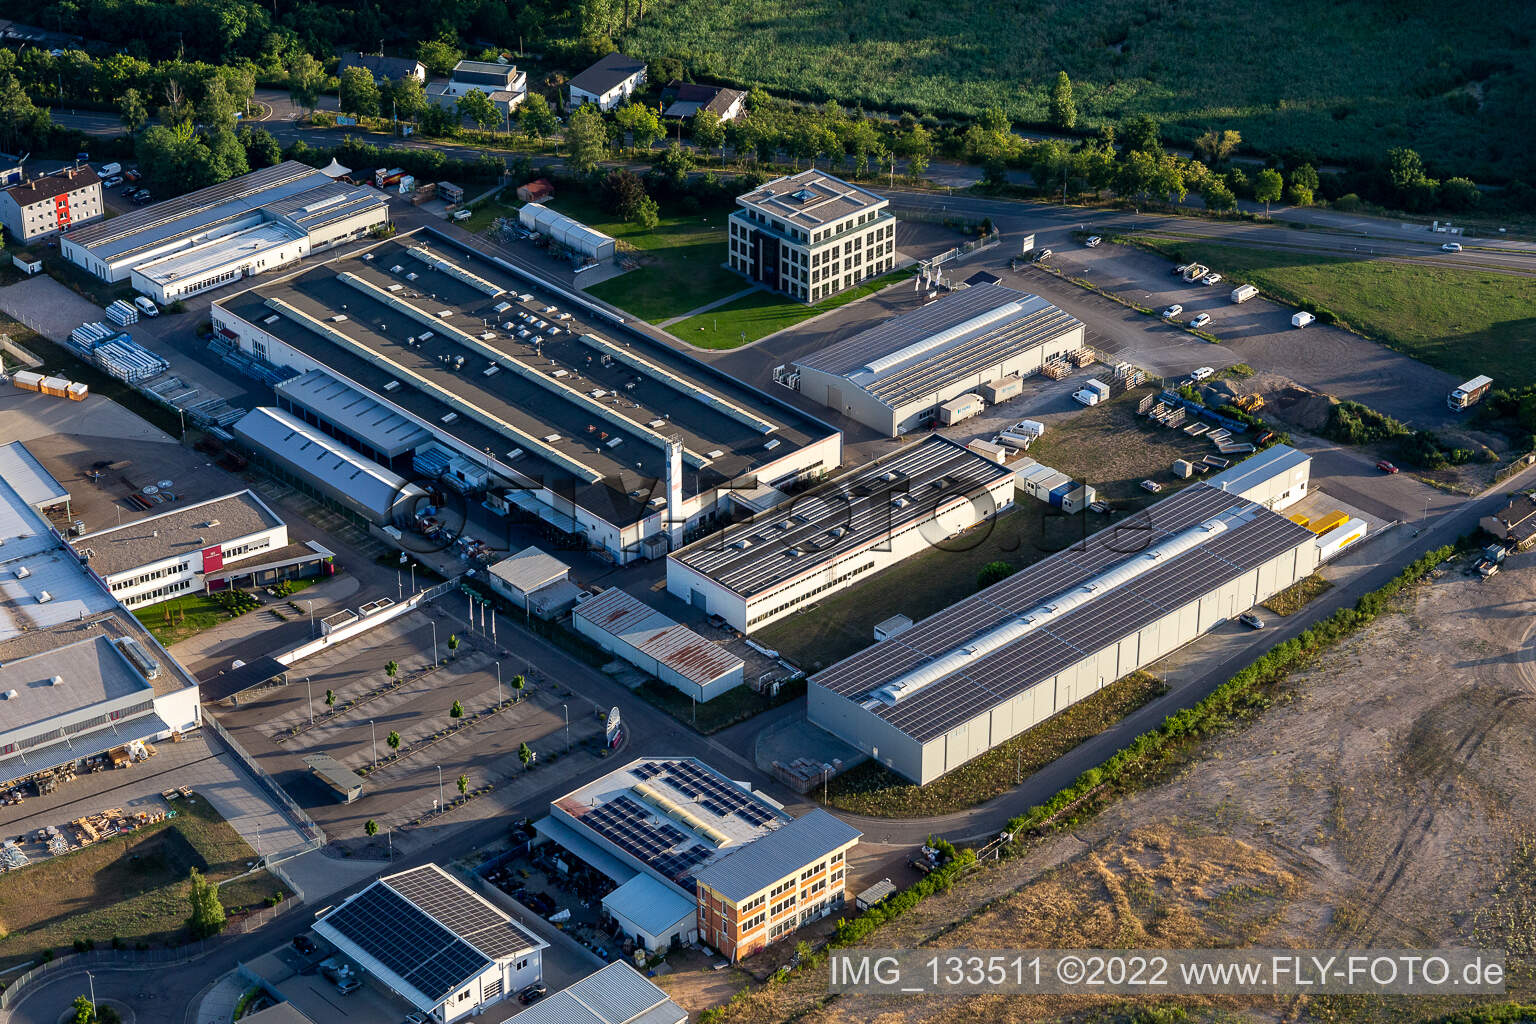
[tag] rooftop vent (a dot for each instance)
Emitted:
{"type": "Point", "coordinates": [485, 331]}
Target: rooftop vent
{"type": "Point", "coordinates": [803, 195]}
{"type": "Point", "coordinates": [148, 667]}
{"type": "Point", "coordinates": [56, 681]}
{"type": "Point", "coordinates": [44, 597]}
{"type": "Point", "coordinates": [22, 572]}
{"type": "Point", "coordinates": [210, 524]}
{"type": "Point", "coordinates": [10, 695]}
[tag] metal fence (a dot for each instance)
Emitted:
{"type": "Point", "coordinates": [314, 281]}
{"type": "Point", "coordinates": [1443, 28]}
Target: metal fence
{"type": "Point", "coordinates": [305, 823]}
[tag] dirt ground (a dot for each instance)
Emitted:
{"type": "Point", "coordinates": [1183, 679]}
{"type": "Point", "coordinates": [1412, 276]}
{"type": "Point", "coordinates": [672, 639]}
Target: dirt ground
{"type": "Point", "coordinates": [1382, 801]}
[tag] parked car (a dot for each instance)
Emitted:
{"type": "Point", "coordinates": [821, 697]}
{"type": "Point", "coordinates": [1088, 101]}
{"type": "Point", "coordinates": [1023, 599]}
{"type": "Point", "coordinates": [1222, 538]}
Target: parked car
{"type": "Point", "coordinates": [1386, 467]}
{"type": "Point", "coordinates": [1093, 241]}
{"type": "Point", "coordinates": [1202, 373]}
{"type": "Point", "coordinates": [131, 174]}
{"type": "Point", "coordinates": [1178, 271]}
{"type": "Point", "coordinates": [1151, 485]}
{"type": "Point", "coordinates": [533, 993]}
{"type": "Point", "coordinates": [1043, 255]}
{"type": "Point", "coordinates": [1172, 311]}
{"type": "Point", "coordinates": [346, 986]}
{"type": "Point", "coordinates": [1451, 247]}
{"type": "Point", "coordinates": [1211, 279]}
{"type": "Point", "coordinates": [1251, 620]}
{"type": "Point", "coordinates": [1201, 320]}
{"type": "Point", "coordinates": [113, 181]}
{"type": "Point", "coordinates": [304, 944]}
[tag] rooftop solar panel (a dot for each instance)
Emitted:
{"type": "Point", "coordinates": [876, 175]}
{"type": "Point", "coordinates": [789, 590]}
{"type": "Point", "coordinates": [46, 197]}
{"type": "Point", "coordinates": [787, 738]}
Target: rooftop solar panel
{"type": "Point", "coordinates": [407, 942]}
{"type": "Point", "coordinates": [459, 910]}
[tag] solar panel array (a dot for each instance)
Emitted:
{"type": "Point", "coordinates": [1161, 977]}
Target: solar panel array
{"type": "Point", "coordinates": [630, 827]}
{"type": "Point", "coordinates": [427, 956]}
{"type": "Point", "coordinates": [717, 797]}
{"type": "Point", "coordinates": [1257, 536]}
{"type": "Point", "coordinates": [461, 912]}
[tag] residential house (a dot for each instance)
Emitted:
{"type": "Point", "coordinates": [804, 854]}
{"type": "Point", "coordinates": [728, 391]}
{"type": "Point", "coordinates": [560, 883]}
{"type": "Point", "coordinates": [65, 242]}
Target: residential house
{"type": "Point", "coordinates": [684, 99]}
{"type": "Point", "coordinates": [54, 202]}
{"type": "Point", "coordinates": [384, 69]}
{"type": "Point", "coordinates": [536, 191]}
{"type": "Point", "coordinates": [503, 83]}
{"type": "Point", "coordinates": [609, 82]}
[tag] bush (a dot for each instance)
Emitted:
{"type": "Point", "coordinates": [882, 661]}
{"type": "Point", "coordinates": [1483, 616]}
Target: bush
{"type": "Point", "coordinates": [1353, 423]}
{"type": "Point", "coordinates": [992, 572]}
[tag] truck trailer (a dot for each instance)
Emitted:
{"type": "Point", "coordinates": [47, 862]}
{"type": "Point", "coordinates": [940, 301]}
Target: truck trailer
{"type": "Point", "coordinates": [1469, 394]}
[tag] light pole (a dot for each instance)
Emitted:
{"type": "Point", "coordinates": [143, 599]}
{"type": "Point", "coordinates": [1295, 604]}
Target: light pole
{"type": "Point", "coordinates": [92, 981]}
{"type": "Point", "coordinates": [399, 585]}
{"type": "Point", "coordinates": [439, 789]}
{"type": "Point", "coordinates": [413, 579]}
{"type": "Point", "coordinates": [434, 643]}
{"type": "Point", "coordinates": [375, 734]}
{"type": "Point", "coordinates": [309, 606]}
{"type": "Point", "coordinates": [183, 417]}
{"type": "Point", "coordinates": [311, 691]}
{"type": "Point", "coordinates": [567, 710]}
{"type": "Point", "coordinates": [498, 684]}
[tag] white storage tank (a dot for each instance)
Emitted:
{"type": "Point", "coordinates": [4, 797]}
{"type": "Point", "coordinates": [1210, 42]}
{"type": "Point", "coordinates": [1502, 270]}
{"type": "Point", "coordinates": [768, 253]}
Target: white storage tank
{"type": "Point", "coordinates": [961, 408]}
{"type": "Point", "coordinates": [1244, 292]}
{"type": "Point", "coordinates": [1003, 389]}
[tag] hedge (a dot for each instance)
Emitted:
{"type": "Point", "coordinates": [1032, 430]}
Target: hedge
{"type": "Point", "coordinates": [1243, 691]}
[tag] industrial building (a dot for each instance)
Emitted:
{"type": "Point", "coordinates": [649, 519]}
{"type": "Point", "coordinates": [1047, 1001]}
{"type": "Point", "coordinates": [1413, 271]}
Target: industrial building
{"type": "Point", "coordinates": [325, 467]}
{"type": "Point", "coordinates": [536, 582]}
{"type": "Point", "coordinates": [617, 441]}
{"type": "Point", "coordinates": [616, 994]}
{"type": "Point", "coordinates": [623, 625]}
{"type": "Point", "coordinates": [1276, 477]}
{"type": "Point", "coordinates": [564, 231]}
{"type": "Point", "coordinates": [895, 377]}
{"type": "Point", "coordinates": [839, 533]}
{"type": "Point", "coordinates": [985, 669]}
{"type": "Point", "coordinates": [435, 943]}
{"type": "Point", "coordinates": [79, 675]}
{"type": "Point", "coordinates": [190, 550]}
{"type": "Point", "coordinates": [52, 202]}
{"type": "Point", "coordinates": [660, 827]}
{"type": "Point", "coordinates": [248, 225]}
{"type": "Point", "coordinates": [31, 481]}
{"type": "Point", "coordinates": [810, 235]}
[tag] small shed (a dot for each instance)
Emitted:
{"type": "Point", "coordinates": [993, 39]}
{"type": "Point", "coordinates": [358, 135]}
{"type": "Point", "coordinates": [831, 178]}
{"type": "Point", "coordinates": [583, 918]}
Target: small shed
{"type": "Point", "coordinates": [448, 191]}
{"type": "Point", "coordinates": [344, 783]}
{"type": "Point", "coordinates": [652, 914]}
{"type": "Point", "coordinates": [26, 262]}
{"type": "Point", "coordinates": [537, 191]}
{"type": "Point", "coordinates": [892, 626]}
{"type": "Point", "coordinates": [519, 575]}
{"type": "Point", "coordinates": [877, 893]}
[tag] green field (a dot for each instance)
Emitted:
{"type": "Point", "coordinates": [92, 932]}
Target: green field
{"type": "Point", "coordinates": [1343, 80]}
{"type": "Point", "coordinates": [1464, 322]}
{"type": "Point", "coordinates": [132, 887]}
{"type": "Point", "coordinates": [680, 261]}
{"type": "Point", "coordinates": [762, 313]}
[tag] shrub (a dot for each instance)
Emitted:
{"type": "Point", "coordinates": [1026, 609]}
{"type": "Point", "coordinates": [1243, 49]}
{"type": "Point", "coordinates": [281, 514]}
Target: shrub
{"type": "Point", "coordinates": [1353, 423]}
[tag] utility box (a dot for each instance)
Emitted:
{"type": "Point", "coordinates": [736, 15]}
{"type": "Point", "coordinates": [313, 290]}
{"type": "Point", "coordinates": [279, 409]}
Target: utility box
{"type": "Point", "coordinates": [1183, 469]}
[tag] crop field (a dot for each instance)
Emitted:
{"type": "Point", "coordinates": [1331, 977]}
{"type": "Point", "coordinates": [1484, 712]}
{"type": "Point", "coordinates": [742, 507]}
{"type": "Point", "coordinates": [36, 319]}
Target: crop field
{"type": "Point", "coordinates": [1342, 80]}
{"type": "Point", "coordinates": [1464, 322]}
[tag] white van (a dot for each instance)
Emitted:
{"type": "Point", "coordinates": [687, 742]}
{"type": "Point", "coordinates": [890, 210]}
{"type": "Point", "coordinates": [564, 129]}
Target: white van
{"type": "Point", "coordinates": [107, 170]}
{"type": "Point", "coordinates": [146, 307]}
{"type": "Point", "coordinates": [463, 214]}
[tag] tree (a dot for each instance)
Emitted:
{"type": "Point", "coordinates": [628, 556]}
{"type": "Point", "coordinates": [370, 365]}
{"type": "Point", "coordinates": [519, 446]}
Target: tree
{"type": "Point", "coordinates": [456, 711]}
{"type": "Point", "coordinates": [330, 698]}
{"type": "Point", "coordinates": [647, 215]}
{"type": "Point", "coordinates": [359, 95]}
{"type": "Point", "coordinates": [621, 193]}
{"type": "Point", "coordinates": [453, 644]}
{"type": "Point", "coordinates": [1063, 106]}
{"type": "Point", "coordinates": [1218, 197]}
{"type": "Point", "coordinates": [707, 131]}
{"type": "Point", "coordinates": [525, 754]}
{"type": "Point", "coordinates": [1298, 194]}
{"type": "Point", "coordinates": [409, 98]}
{"type": "Point", "coordinates": [439, 55]}
{"type": "Point", "coordinates": [217, 108]}
{"type": "Point", "coordinates": [535, 118]}
{"type": "Point", "coordinates": [1215, 147]}
{"type": "Point", "coordinates": [917, 146]}
{"type": "Point", "coordinates": [391, 668]}
{"type": "Point", "coordinates": [393, 740]}
{"type": "Point", "coordinates": [1142, 133]}
{"type": "Point", "coordinates": [587, 137]}
{"type": "Point", "coordinates": [1266, 187]}
{"type": "Point", "coordinates": [306, 78]}
{"type": "Point", "coordinates": [261, 148]}
{"type": "Point", "coordinates": [674, 164]}
{"type": "Point", "coordinates": [992, 148]}
{"type": "Point", "coordinates": [132, 110]}
{"type": "Point", "coordinates": [370, 828]}
{"type": "Point", "coordinates": [1459, 194]}
{"type": "Point", "coordinates": [83, 1012]}
{"type": "Point", "coordinates": [463, 785]}
{"type": "Point", "coordinates": [518, 682]}
{"type": "Point", "coordinates": [641, 122]}
{"type": "Point", "coordinates": [992, 572]}
{"type": "Point", "coordinates": [478, 108]}
{"type": "Point", "coordinates": [207, 917]}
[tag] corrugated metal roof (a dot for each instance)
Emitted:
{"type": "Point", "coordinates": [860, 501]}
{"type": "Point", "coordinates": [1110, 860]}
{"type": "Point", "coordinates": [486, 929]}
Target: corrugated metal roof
{"type": "Point", "coordinates": [617, 994]}
{"type": "Point", "coordinates": [529, 569]}
{"type": "Point", "coordinates": [36, 486]}
{"type": "Point", "coordinates": [777, 855]}
{"type": "Point", "coordinates": [1257, 469]}
{"type": "Point", "coordinates": [679, 648]}
{"type": "Point", "coordinates": [381, 428]}
{"type": "Point", "coordinates": [653, 907]}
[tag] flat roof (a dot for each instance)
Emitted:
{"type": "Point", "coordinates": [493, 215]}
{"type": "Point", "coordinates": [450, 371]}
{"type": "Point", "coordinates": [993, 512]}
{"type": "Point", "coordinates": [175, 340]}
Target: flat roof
{"type": "Point", "coordinates": [26, 475]}
{"type": "Point", "coordinates": [327, 203]}
{"type": "Point", "coordinates": [376, 425]}
{"type": "Point", "coordinates": [91, 671]}
{"type": "Point", "coordinates": [850, 512]}
{"type": "Point", "coordinates": [1257, 468]}
{"type": "Point", "coordinates": [324, 458]}
{"type": "Point", "coordinates": [653, 907]}
{"type": "Point", "coordinates": [616, 994]}
{"type": "Point", "coordinates": [178, 532]}
{"type": "Point", "coordinates": [42, 583]}
{"type": "Point", "coordinates": [622, 615]}
{"type": "Point", "coordinates": [203, 210]}
{"type": "Point", "coordinates": [783, 852]}
{"type": "Point", "coordinates": [983, 650]}
{"type": "Point", "coordinates": [219, 252]}
{"type": "Point", "coordinates": [910, 356]}
{"type": "Point", "coordinates": [672, 814]}
{"type": "Point", "coordinates": [810, 199]}
{"type": "Point", "coordinates": [608, 457]}
{"type": "Point", "coordinates": [529, 569]}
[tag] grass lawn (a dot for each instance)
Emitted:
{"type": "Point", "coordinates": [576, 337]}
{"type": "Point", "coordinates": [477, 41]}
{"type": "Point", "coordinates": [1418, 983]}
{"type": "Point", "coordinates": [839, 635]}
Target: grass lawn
{"type": "Point", "coordinates": [871, 788]}
{"type": "Point", "coordinates": [1298, 595]}
{"type": "Point", "coordinates": [760, 314]}
{"type": "Point", "coordinates": [131, 887]}
{"type": "Point", "coordinates": [181, 617]}
{"type": "Point", "coordinates": [1465, 322]}
{"type": "Point", "coordinates": [482, 216]}
{"type": "Point", "coordinates": [680, 261]}
{"type": "Point", "coordinates": [726, 710]}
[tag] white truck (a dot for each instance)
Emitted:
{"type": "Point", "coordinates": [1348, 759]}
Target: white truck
{"type": "Point", "coordinates": [1469, 394]}
{"type": "Point", "coordinates": [1302, 319]}
{"type": "Point", "coordinates": [1244, 292]}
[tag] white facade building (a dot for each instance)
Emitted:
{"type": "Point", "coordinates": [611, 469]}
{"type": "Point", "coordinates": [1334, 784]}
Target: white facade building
{"type": "Point", "coordinates": [1276, 478]}
{"type": "Point", "coordinates": [810, 235]}
{"type": "Point", "coordinates": [54, 202]}
{"type": "Point", "coordinates": [623, 625]}
{"type": "Point", "coordinates": [609, 82]}
{"type": "Point", "coordinates": [839, 533]}
{"type": "Point", "coordinates": [506, 86]}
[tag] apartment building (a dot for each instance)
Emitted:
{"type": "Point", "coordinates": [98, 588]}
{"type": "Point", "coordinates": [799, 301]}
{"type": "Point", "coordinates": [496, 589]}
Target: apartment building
{"type": "Point", "coordinates": [810, 235]}
{"type": "Point", "coordinates": [65, 199]}
{"type": "Point", "coordinates": [761, 893]}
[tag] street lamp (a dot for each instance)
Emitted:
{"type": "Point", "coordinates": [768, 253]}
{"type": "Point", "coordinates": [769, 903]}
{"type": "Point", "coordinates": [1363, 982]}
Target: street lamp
{"type": "Point", "coordinates": [498, 684]}
{"type": "Point", "coordinates": [434, 643]}
{"type": "Point", "coordinates": [439, 789]}
{"type": "Point", "coordinates": [92, 982]}
{"type": "Point", "coordinates": [375, 733]}
{"type": "Point", "coordinates": [311, 690]}
{"type": "Point", "coordinates": [567, 710]}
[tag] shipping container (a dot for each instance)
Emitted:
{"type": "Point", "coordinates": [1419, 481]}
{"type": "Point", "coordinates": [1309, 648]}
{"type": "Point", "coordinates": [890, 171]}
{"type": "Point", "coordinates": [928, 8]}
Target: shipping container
{"type": "Point", "coordinates": [78, 391]}
{"type": "Point", "coordinates": [987, 450]}
{"type": "Point", "coordinates": [1003, 389]}
{"type": "Point", "coordinates": [1079, 498]}
{"type": "Point", "coordinates": [1339, 538]}
{"type": "Point", "coordinates": [1244, 292]}
{"type": "Point", "coordinates": [58, 387]}
{"type": "Point", "coordinates": [961, 408]}
{"type": "Point", "coordinates": [1042, 486]}
{"type": "Point", "coordinates": [1059, 493]}
{"type": "Point", "coordinates": [27, 380]}
{"type": "Point", "coordinates": [1323, 524]}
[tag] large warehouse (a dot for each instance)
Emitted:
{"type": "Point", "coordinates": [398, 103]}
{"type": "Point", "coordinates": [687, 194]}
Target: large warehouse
{"type": "Point", "coordinates": [612, 438]}
{"type": "Point", "coordinates": [839, 533]}
{"type": "Point", "coordinates": [699, 857]}
{"type": "Point", "coordinates": [970, 677]}
{"type": "Point", "coordinates": [894, 376]}
{"type": "Point", "coordinates": [79, 675]}
{"type": "Point", "coordinates": [248, 225]}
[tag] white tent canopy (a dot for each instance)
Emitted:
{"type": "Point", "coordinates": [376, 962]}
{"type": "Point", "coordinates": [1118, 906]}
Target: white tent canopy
{"type": "Point", "coordinates": [335, 170]}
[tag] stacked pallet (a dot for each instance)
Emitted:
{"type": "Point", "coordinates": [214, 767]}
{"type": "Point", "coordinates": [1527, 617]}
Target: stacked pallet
{"type": "Point", "coordinates": [123, 313]}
